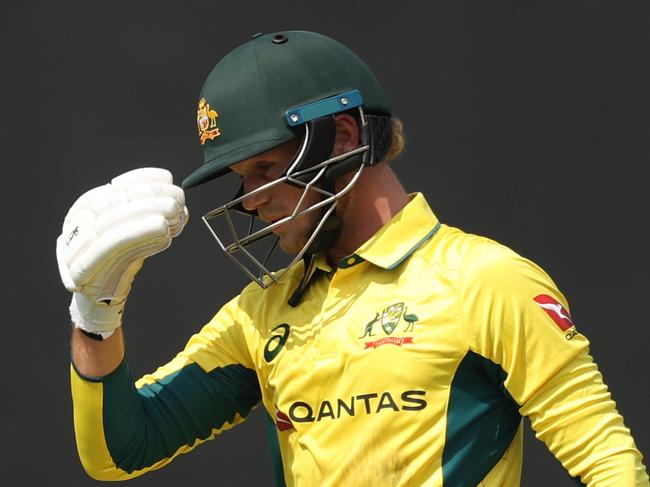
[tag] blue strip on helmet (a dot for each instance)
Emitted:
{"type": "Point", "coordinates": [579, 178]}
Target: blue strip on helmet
{"type": "Point", "coordinates": [327, 106]}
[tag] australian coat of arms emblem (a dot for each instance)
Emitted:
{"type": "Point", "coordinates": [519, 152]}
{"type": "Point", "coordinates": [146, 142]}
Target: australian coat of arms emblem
{"type": "Point", "coordinates": [206, 121]}
{"type": "Point", "coordinates": [389, 318]}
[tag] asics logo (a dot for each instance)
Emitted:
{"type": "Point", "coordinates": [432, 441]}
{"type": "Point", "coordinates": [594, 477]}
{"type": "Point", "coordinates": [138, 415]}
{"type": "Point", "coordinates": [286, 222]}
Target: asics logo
{"type": "Point", "coordinates": [276, 342]}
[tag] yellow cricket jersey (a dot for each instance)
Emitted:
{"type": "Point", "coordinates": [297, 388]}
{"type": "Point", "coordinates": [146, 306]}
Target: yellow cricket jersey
{"type": "Point", "coordinates": [411, 364]}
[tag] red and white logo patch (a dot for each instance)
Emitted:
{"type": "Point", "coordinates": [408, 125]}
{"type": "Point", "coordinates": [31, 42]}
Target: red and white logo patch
{"type": "Point", "coordinates": [555, 310]}
{"type": "Point", "coordinates": [282, 421]}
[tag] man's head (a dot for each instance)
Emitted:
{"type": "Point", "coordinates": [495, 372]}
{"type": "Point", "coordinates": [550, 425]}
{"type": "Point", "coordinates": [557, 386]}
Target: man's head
{"type": "Point", "coordinates": [305, 108]}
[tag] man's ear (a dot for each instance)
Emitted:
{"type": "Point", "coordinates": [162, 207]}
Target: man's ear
{"type": "Point", "coordinates": [347, 134]}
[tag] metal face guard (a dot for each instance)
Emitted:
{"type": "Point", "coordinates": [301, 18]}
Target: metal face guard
{"type": "Point", "coordinates": [312, 178]}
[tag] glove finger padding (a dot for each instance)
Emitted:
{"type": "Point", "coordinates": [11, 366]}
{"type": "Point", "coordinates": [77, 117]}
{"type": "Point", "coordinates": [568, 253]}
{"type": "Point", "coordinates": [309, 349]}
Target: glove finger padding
{"type": "Point", "coordinates": [142, 175]}
{"type": "Point", "coordinates": [99, 199]}
{"type": "Point", "coordinates": [111, 227]}
{"type": "Point", "coordinates": [89, 225]}
{"type": "Point", "coordinates": [135, 210]}
{"type": "Point", "coordinates": [97, 270]}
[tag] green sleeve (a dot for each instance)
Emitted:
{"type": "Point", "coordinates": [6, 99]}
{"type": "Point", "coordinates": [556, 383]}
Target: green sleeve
{"type": "Point", "coordinates": [123, 431]}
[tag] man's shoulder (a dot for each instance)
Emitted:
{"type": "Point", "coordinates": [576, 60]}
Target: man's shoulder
{"type": "Point", "coordinates": [452, 248]}
{"type": "Point", "coordinates": [481, 261]}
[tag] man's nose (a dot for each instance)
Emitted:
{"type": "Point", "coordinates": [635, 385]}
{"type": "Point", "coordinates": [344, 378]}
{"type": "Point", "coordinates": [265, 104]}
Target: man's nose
{"type": "Point", "coordinates": [256, 199]}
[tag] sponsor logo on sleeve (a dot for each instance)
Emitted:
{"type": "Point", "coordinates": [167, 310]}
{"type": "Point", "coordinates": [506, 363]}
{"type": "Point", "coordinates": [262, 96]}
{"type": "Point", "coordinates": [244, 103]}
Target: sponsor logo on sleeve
{"type": "Point", "coordinates": [558, 313]}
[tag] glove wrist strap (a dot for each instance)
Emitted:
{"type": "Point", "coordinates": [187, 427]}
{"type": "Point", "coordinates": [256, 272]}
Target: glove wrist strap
{"type": "Point", "coordinates": [97, 318]}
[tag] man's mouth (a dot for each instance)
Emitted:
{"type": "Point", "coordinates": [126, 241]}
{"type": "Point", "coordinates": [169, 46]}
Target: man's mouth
{"type": "Point", "coordinates": [272, 220]}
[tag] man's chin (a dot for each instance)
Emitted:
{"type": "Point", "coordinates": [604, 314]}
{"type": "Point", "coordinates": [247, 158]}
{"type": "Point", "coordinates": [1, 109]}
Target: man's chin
{"type": "Point", "coordinates": [294, 238]}
{"type": "Point", "coordinates": [290, 249]}
{"type": "Point", "coordinates": [291, 246]}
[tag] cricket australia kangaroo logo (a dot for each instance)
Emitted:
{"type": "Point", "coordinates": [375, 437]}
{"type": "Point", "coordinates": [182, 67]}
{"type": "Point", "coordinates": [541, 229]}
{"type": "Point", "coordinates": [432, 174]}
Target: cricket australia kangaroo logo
{"type": "Point", "coordinates": [389, 319]}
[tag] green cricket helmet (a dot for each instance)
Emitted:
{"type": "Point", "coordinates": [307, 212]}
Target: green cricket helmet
{"type": "Point", "coordinates": [274, 88]}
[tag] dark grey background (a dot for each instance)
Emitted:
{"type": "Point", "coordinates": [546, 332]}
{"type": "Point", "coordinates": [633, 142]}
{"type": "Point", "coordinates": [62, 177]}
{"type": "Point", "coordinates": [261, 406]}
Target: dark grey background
{"type": "Point", "coordinates": [526, 123]}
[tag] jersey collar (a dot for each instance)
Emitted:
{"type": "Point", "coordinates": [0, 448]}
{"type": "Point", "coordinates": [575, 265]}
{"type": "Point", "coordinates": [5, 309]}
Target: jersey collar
{"type": "Point", "coordinates": [411, 227]}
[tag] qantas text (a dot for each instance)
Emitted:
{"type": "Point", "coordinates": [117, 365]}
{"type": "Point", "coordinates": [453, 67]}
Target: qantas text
{"type": "Point", "coordinates": [370, 403]}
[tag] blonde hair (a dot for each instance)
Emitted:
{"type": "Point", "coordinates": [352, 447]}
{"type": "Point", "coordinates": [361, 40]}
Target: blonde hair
{"type": "Point", "coordinates": [397, 140]}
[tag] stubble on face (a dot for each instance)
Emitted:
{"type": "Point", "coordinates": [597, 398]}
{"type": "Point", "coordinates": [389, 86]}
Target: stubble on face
{"type": "Point", "coordinates": [295, 234]}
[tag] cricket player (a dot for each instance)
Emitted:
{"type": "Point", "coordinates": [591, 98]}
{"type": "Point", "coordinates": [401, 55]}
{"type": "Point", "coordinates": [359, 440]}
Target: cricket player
{"type": "Point", "coordinates": [391, 350]}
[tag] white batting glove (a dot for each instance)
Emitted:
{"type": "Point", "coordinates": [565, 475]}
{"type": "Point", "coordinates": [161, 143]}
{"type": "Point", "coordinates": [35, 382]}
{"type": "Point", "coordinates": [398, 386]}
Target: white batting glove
{"type": "Point", "coordinates": [106, 236]}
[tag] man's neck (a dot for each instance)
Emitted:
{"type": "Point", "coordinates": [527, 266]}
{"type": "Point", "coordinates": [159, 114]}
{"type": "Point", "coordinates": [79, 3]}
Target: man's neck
{"type": "Point", "coordinates": [375, 198]}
